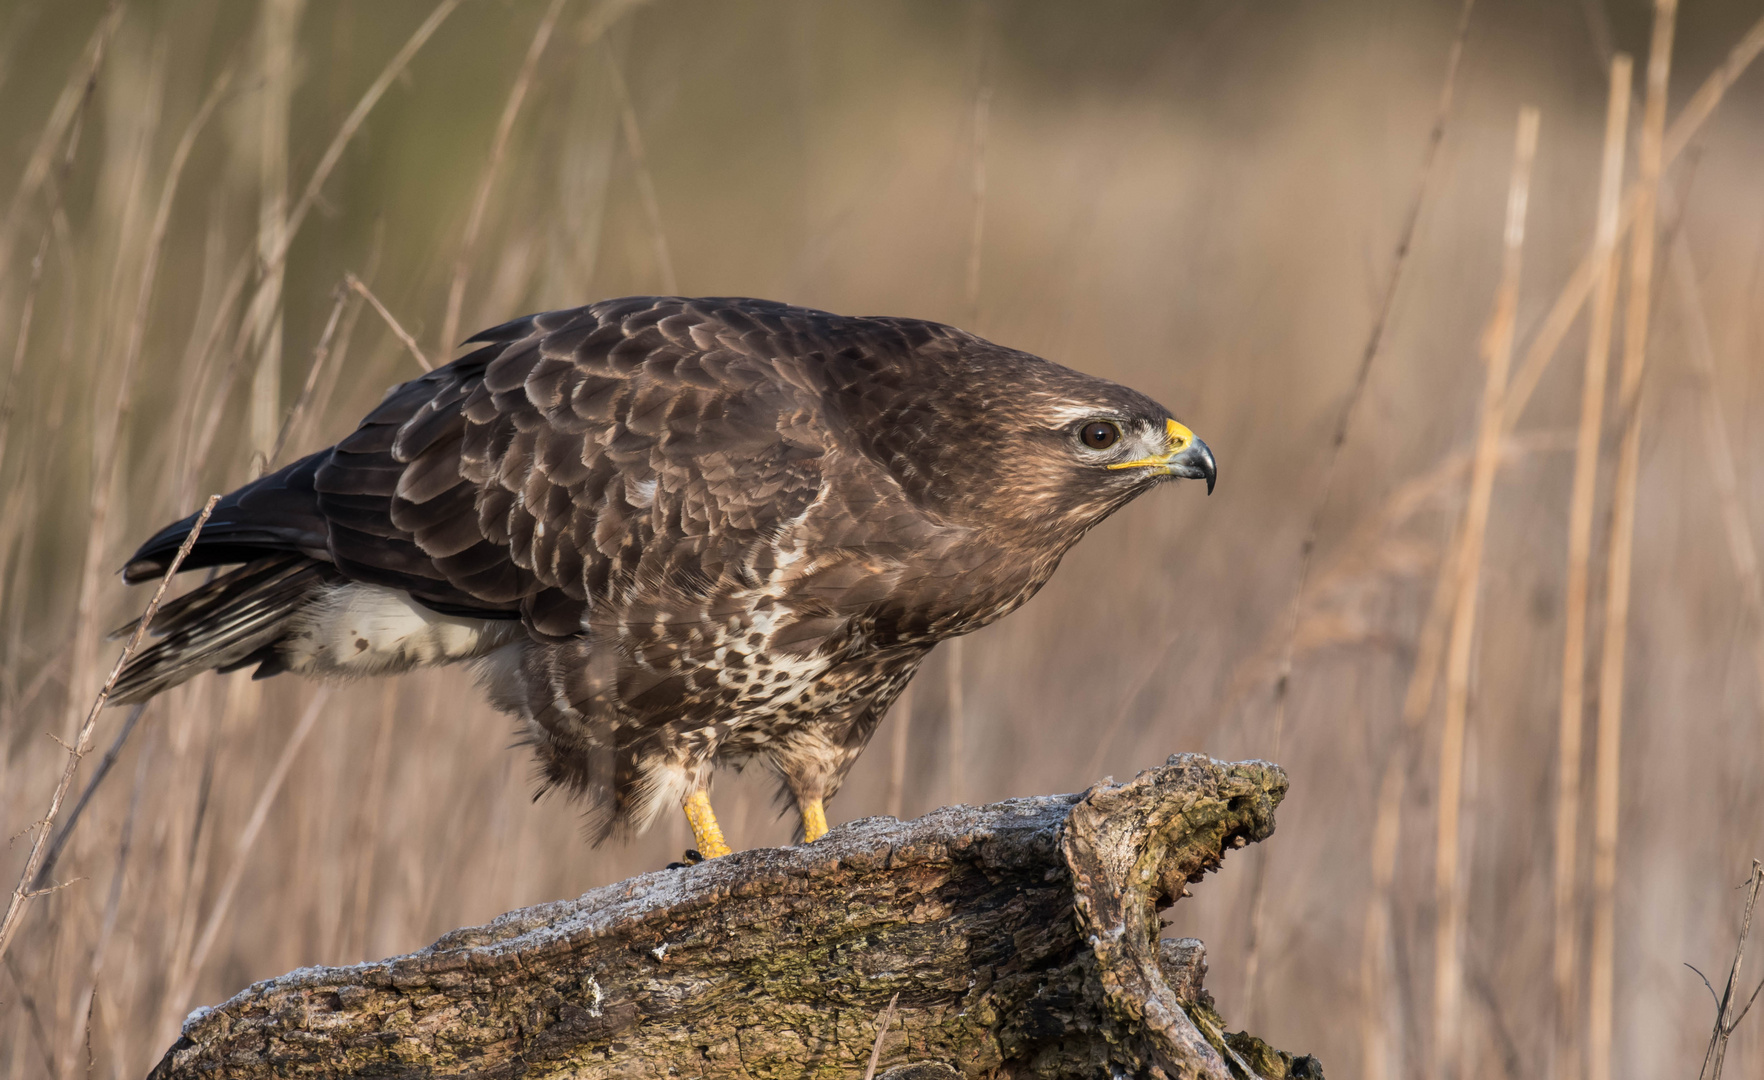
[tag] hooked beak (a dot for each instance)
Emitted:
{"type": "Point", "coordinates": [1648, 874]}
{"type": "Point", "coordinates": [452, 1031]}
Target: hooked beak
{"type": "Point", "coordinates": [1195, 462]}
{"type": "Point", "coordinates": [1188, 457]}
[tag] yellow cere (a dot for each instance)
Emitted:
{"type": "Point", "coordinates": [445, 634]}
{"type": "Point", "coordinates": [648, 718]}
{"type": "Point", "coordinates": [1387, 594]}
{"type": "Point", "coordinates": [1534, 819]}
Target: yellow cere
{"type": "Point", "coordinates": [1178, 438]}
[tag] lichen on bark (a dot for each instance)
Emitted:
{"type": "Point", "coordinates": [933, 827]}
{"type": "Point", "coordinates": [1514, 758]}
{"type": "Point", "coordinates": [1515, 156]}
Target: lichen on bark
{"type": "Point", "coordinates": [1021, 939]}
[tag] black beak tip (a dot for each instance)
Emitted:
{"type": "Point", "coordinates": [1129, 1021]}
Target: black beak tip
{"type": "Point", "coordinates": [1203, 463]}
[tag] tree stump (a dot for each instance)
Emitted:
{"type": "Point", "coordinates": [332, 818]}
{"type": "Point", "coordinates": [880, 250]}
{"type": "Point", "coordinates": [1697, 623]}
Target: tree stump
{"type": "Point", "coordinates": [1016, 939]}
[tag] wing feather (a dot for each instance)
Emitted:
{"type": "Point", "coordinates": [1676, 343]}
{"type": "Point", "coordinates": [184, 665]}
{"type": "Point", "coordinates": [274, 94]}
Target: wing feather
{"type": "Point", "coordinates": [637, 461]}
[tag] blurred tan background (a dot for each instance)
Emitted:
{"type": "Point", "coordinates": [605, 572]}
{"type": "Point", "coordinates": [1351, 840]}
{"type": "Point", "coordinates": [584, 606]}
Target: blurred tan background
{"type": "Point", "coordinates": [1199, 199]}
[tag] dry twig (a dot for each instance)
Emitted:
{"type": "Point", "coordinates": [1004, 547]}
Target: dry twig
{"type": "Point", "coordinates": [882, 1032]}
{"type": "Point", "coordinates": [400, 332]}
{"type": "Point", "coordinates": [23, 893]}
{"type": "Point", "coordinates": [1726, 1021]}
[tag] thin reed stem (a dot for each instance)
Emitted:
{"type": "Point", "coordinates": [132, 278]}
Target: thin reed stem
{"type": "Point", "coordinates": [369, 821]}
{"type": "Point", "coordinates": [901, 716]}
{"type": "Point", "coordinates": [112, 907]}
{"type": "Point", "coordinates": [1387, 825]}
{"type": "Point", "coordinates": [22, 893]}
{"type": "Point", "coordinates": [1607, 776]}
{"type": "Point", "coordinates": [1580, 523]}
{"type": "Point", "coordinates": [64, 117]}
{"type": "Point", "coordinates": [112, 426]}
{"type": "Point", "coordinates": [1374, 340]}
{"type": "Point", "coordinates": [1497, 356]}
{"type": "Point", "coordinates": [1718, 448]}
{"type": "Point", "coordinates": [352, 123]}
{"type": "Point", "coordinates": [320, 352]}
{"type": "Point", "coordinates": [270, 264]}
{"type": "Point", "coordinates": [658, 237]}
{"type": "Point", "coordinates": [487, 180]}
{"type": "Point", "coordinates": [956, 704]}
{"type": "Point", "coordinates": [109, 428]}
{"type": "Point", "coordinates": [15, 374]}
{"type": "Point", "coordinates": [223, 901]}
{"type": "Point", "coordinates": [105, 764]}
{"type": "Point", "coordinates": [982, 120]}
{"type": "Point", "coordinates": [278, 25]}
{"type": "Point", "coordinates": [398, 331]}
{"type": "Point", "coordinates": [1344, 424]}
{"type": "Point", "coordinates": [1579, 285]}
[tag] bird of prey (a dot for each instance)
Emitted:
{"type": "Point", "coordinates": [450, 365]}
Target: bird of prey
{"type": "Point", "coordinates": [670, 533]}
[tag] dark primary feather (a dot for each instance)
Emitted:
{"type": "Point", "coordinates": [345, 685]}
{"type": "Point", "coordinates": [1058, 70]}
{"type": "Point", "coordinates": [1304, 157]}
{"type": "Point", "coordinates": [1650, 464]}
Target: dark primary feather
{"type": "Point", "coordinates": [728, 526]}
{"type": "Point", "coordinates": [231, 622]}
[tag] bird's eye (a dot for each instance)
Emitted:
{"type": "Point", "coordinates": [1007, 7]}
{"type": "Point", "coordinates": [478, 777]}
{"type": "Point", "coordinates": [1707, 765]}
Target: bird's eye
{"type": "Point", "coordinates": [1099, 434]}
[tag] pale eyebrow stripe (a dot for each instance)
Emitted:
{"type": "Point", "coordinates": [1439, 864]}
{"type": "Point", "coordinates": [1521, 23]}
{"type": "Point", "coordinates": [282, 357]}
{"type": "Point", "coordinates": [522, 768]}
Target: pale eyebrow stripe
{"type": "Point", "coordinates": [1084, 412]}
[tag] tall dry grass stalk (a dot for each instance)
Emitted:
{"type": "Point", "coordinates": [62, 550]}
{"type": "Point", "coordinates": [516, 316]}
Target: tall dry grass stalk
{"type": "Point", "coordinates": [308, 388]}
{"type": "Point", "coordinates": [1344, 423]}
{"type": "Point", "coordinates": [21, 342]}
{"type": "Point", "coordinates": [511, 110]}
{"type": "Point", "coordinates": [977, 236]}
{"type": "Point", "coordinates": [900, 745]}
{"type": "Point", "coordinates": [658, 236]}
{"type": "Point", "coordinates": [1374, 341]}
{"type": "Point", "coordinates": [1497, 356]}
{"type": "Point", "coordinates": [1166, 227]}
{"type": "Point", "coordinates": [1574, 293]}
{"type": "Point", "coordinates": [178, 1001]}
{"type": "Point", "coordinates": [1580, 522]}
{"type": "Point", "coordinates": [63, 119]}
{"type": "Point", "coordinates": [1607, 773]}
{"type": "Point", "coordinates": [277, 25]}
{"type": "Point", "coordinates": [23, 893]}
{"type": "Point", "coordinates": [109, 425]}
{"type": "Point", "coordinates": [1718, 448]}
{"type": "Point", "coordinates": [271, 259]}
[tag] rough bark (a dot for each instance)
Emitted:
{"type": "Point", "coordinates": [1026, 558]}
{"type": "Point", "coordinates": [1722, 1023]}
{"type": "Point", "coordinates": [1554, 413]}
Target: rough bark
{"type": "Point", "coordinates": [1021, 939]}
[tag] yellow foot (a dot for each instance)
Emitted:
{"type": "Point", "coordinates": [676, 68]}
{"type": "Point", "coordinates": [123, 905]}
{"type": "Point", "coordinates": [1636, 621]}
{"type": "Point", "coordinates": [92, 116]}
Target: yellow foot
{"type": "Point", "coordinates": [706, 833]}
{"type": "Point", "coordinates": [814, 820]}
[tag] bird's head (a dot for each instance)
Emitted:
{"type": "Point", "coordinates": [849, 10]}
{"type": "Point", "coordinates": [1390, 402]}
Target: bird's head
{"type": "Point", "coordinates": [1002, 437]}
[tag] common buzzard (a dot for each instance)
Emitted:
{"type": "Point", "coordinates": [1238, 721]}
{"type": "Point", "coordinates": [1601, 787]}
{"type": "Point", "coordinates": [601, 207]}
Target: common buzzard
{"type": "Point", "coordinates": [671, 532]}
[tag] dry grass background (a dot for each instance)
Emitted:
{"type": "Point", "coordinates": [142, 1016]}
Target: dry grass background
{"type": "Point", "coordinates": [1201, 200]}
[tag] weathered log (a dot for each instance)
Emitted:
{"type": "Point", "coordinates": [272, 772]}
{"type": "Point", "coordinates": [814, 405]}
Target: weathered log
{"type": "Point", "coordinates": [1018, 939]}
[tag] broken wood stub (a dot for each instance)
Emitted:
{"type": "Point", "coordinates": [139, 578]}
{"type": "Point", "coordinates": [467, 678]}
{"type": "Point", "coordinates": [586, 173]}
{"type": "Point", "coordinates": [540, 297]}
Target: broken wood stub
{"type": "Point", "coordinates": [1021, 938]}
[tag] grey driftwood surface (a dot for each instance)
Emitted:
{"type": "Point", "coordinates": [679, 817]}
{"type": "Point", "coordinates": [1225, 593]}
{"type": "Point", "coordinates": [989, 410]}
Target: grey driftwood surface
{"type": "Point", "coordinates": [1021, 939]}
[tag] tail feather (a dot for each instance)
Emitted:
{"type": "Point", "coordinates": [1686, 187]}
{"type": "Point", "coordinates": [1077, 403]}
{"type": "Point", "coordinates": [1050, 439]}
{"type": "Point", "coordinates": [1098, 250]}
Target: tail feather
{"type": "Point", "coordinates": [234, 620]}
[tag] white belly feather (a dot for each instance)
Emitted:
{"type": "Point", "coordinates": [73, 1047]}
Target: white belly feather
{"type": "Point", "coordinates": [358, 629]}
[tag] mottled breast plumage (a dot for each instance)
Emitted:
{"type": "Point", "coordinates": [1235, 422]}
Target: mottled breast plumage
{"type": "Point", "coordinates": [722, 527]}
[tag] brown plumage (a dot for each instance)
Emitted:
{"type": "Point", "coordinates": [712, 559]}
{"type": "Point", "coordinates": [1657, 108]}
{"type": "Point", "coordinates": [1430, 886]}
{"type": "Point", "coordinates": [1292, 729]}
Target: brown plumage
{"type": "Point", "coordinates": [672, 532]}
